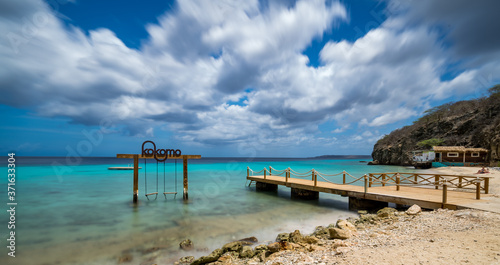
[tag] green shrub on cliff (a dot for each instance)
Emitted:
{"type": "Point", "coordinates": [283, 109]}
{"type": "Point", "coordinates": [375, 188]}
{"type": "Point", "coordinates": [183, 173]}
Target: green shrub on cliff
{"type": "Point", "coordinates": [429, 143]}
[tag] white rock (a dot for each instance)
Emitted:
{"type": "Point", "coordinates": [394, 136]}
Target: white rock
{"type": "Point", "coordinates": [414, 210]}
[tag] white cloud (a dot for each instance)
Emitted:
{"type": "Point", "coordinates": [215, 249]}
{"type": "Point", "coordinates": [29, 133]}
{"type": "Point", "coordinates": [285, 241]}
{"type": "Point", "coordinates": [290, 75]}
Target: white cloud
{"type": "Point", "coordinates": [392, 116]}
{"type": "Point", "coordinates": [205, 54]}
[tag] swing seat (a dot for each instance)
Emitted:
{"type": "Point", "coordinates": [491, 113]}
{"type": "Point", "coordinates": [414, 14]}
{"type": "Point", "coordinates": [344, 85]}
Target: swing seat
{"type": "Point", "coordinates": [152, 193]}
{"type": "Point", "coordinates": [165, 194]}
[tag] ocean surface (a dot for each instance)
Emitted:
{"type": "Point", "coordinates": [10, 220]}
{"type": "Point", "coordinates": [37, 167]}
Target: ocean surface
{"type": "Point", "coordinates": [76, 211]}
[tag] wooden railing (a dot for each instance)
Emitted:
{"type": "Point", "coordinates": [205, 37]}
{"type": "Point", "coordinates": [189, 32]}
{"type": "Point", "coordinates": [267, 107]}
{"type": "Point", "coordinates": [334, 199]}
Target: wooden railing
{"type": "Point", "coordinates": [436, 180]}
{"type": "Point", "coordinates": [477, 183]}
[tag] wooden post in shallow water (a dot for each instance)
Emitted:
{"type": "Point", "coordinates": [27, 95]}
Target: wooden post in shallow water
{"type": "Point", "coordinates": [185, 177]}
{"type": "Point", "coordinates": [136, 178]}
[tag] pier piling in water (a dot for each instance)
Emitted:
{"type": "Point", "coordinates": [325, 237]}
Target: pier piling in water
{"type": "Point", "coordinates": [304, 194]}
{"type": "Point", "coordinates": [262, 186]}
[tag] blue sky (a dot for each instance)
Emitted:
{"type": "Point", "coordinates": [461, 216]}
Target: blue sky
{"type": "Point", "coordinates": [234, 78]}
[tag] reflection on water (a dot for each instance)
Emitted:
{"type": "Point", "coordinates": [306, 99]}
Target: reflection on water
{"type": "Point", "coordinates": [86, 216]}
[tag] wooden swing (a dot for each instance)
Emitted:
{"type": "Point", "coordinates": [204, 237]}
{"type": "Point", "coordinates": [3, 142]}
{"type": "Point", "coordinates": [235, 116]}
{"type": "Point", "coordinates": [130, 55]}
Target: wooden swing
{"type": "Point", "coordinates": [164, 181]}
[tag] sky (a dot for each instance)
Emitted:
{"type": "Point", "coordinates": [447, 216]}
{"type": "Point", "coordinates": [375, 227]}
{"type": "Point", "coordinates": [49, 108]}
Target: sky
{"type": "Point", "coordinates": [234, 78]}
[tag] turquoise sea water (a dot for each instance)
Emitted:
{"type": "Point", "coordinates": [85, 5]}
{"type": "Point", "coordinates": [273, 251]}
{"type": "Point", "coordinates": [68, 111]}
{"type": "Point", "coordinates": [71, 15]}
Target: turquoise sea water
{"type": "Point", "coordinates": [81, 213]}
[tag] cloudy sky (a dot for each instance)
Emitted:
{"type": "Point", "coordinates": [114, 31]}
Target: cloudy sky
{"type": "Point", "coordinates": [234, 78]}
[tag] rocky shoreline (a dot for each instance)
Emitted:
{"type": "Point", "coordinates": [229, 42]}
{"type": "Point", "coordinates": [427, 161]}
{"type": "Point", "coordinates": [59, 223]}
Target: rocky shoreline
{"type": "Point", "coordinates": [388, 236]}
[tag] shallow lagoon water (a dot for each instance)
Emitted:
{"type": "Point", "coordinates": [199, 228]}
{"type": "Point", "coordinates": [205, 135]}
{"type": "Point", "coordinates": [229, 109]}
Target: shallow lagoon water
{"type": "Point", "coordinates": [82, 214]}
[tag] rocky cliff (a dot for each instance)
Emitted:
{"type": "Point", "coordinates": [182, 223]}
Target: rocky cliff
{"type": "Point", "coordinates": [471, 123]}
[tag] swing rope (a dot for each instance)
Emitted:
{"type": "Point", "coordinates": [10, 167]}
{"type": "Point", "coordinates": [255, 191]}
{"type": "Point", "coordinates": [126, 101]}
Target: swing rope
{"type": "Point", "coordinates": [176, 177]}
{"type": "Point", "coordinates": [146, 181]}
{"type": "Point", "coordinates": [145, 178]}
{"type": "Point", "coordinates": [164, 181]}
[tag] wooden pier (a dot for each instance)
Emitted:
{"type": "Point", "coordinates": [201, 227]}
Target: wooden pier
{"type": "Point", "coordinates": [429, 191]}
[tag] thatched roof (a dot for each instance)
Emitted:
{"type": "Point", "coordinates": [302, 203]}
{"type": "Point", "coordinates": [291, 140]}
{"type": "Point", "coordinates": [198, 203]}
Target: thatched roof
{"type": "Point", "coordinates": [448, 148]}
{"type": "Point", "coordinates": [457, 149]}
{"type": "Point", "coordinates": [476, 150]}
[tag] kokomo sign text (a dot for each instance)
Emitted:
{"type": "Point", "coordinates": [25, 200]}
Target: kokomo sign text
{"type": "Point", "coordinates": [159, 152]}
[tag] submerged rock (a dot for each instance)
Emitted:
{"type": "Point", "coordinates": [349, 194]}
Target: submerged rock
{"type": "Point", "coordinates": [186, 245]}
{"type": "Point", "coordinates": [249, 240]}
{"type": "Point", "coordinates": [127, 257]}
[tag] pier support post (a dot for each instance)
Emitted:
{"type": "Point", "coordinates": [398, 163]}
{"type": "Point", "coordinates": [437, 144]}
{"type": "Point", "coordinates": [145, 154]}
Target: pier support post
{"type": "Point", "coordinates": [136, 178]}
{"type": "Point", "coordinates": [304, 194]}
{"type": "Point", "coordinates": [486, 185]}
{"type": "Point", "coordinates": [262, 186]}
{"type": "Point", "coordinates": [185, 177]}
{"type": "Point", "coordinates": [478, 190]}
{"type": "Point", "coordinates": [365, 204]}
{"type": "Point", "coordinates": [398, 181]}
{"type": "Point", "coordinates": [445, 193]}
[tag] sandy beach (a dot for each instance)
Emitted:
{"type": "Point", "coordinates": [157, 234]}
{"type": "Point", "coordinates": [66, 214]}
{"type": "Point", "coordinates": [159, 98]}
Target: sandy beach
{"type": "Point", "coordinates": [470, 236]}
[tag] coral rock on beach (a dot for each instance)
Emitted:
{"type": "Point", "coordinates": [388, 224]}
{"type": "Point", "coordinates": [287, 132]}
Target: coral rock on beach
{"type": "Point", "coordinates": [295, 237]}
{"type": "Point", "coordinates": [414, 210]}
{"type": "Point", "coordinates": [337, 233]}
{"type": "Point", "coordinates": [345, 225]}
{"type": "Point", "coordinates": [386, 212]}
{"type": "Point", "coordinates": [214, 256]}
{"type": "Point", "coordinates": [233, 246]}
{"type": "Point", "coordinates": [283, 237]}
